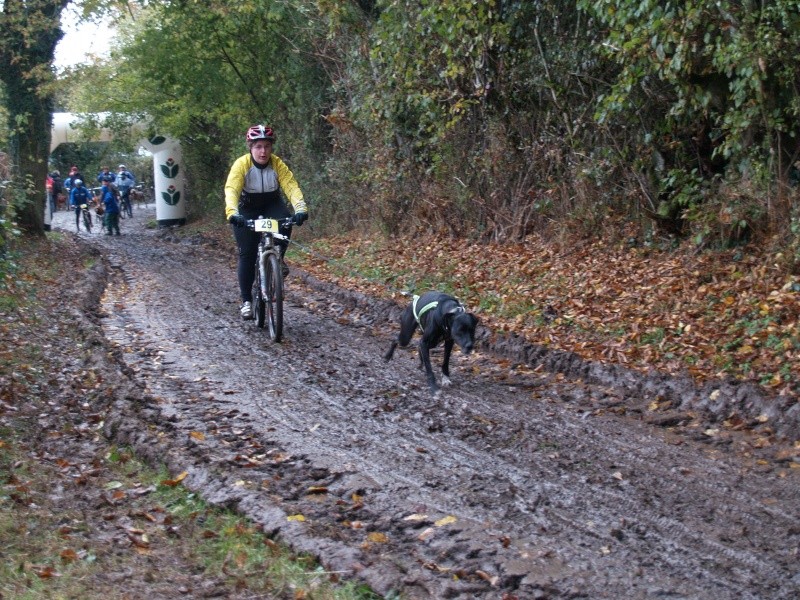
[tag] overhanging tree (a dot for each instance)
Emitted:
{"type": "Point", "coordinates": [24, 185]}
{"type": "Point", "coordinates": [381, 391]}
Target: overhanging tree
{"type": "Point", "coordinates": [29, 32]}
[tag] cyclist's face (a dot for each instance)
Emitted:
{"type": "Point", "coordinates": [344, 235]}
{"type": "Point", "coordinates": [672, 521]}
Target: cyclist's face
{"type": "Point", "coordinates": [261, 151]}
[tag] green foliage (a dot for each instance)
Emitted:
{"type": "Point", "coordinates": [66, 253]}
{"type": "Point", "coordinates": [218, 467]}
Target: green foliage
{"type": "Point", "coordinates": [432, 65]}
{"type": "Point", "coordinates": [8, 258]}
{"type": "Point", "coordinates": [480, 118]}
{"type": "Point", "coordinates": [14, 197]}
{"type": "Point", "coordinates": [723, 73]}
{"type": "Point", "coordinates": [204, 73]}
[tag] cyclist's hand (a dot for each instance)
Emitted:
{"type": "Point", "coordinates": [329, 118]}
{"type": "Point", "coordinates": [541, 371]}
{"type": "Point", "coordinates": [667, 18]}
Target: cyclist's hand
{"type": "Point", "coordinates": [237, 221]}
{"type": "Point", "coordinates": [300, 218]}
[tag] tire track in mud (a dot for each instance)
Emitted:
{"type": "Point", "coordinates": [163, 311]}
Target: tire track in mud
{"type": "Point", "coordinates": [552, 497]}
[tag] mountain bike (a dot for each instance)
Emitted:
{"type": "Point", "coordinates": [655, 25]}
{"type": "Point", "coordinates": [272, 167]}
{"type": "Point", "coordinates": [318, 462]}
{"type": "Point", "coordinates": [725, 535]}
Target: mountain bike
{"type": "Point", "coordinates": [87, 217]}
{"type": "Point", "coordinates": [125, 208]}
{"type": "Point", "coordinates": [268, 284]}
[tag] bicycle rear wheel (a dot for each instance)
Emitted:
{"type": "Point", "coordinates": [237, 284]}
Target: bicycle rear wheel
{"type": "Point", "coordinates": [259, 308]}
{"type": "Point", "coordinates": [274, 297]}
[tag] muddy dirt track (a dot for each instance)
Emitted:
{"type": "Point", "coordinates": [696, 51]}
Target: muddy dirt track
{"type": "Point", "coordinates": [533, 476]}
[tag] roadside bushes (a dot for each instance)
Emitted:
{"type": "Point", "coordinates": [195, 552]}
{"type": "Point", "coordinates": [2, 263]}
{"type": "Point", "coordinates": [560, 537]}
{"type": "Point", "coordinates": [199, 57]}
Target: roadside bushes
{"type": "Point", "coordinates": [492, 120]}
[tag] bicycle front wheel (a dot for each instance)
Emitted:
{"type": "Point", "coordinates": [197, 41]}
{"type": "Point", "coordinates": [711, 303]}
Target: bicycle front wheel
{"type": "Point", "coordinates": [259, 308]}
{"type": "Point", "coordinates": [274, 297]}
{"type": "Point", "coordinates": [87, 221]}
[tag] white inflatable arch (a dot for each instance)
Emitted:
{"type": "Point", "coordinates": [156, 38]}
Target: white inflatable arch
{"type": "Point", "coordinates": [168, 173]}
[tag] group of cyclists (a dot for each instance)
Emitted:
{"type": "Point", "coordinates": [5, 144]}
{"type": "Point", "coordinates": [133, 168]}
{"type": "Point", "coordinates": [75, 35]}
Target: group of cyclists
{"type": "Point", "coordinates": [113, 194]}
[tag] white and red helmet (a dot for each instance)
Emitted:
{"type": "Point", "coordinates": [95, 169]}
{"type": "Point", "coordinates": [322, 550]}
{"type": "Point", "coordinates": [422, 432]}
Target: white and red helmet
{"type": "Point", "coordinates": [260, 132]}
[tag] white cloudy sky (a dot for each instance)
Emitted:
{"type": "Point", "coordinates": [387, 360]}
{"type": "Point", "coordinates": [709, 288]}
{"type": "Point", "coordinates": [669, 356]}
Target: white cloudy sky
{"type": "Point", "coordinates": [81, 41]}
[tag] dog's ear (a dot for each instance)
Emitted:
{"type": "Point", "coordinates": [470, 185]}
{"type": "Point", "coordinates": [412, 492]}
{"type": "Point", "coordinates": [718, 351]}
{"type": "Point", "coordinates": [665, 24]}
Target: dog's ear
{"type": "Point", "coordinates": [475, 320]}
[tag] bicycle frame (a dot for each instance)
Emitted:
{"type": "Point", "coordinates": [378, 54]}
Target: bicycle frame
{"type": "Point", "coordinates": [86, 214]}
{"type": "Point", "coordinates": [125, 206]}
{"type": "Point", "coordinates": [268, 286]}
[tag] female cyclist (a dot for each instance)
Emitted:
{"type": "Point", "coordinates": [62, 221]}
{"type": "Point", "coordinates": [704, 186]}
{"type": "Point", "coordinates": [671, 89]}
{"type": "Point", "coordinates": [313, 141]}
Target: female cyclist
{"type": "Point", "coordinates": [253, 190]}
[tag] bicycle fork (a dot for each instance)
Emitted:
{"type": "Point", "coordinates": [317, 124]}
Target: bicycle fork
{"type": "Point", "coordinates": [263, 258]}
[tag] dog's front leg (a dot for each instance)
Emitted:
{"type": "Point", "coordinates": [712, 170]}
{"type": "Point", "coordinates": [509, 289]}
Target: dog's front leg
{"type": "Point", "coordinates": [448, 349]}
{"type": "Point", "coordinates": [425, 358]}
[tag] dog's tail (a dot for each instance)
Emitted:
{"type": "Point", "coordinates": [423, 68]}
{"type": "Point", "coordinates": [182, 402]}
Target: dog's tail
{"type": "Point", "coordinates": [389, 353]}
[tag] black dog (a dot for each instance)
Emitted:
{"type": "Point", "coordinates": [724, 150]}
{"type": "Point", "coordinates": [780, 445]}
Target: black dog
{"type": "Point", "coordinates": [440, 317]}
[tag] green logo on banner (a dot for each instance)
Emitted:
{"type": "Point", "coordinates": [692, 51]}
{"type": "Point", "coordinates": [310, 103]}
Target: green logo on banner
{"type": "Point", "coordinates": [170, 170]}
{"type": "Point", "coordinates": [171, 196]}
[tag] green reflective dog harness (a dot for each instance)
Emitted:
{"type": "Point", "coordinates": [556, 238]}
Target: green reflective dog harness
{"type": "Point", "coordinates": [423, 310]}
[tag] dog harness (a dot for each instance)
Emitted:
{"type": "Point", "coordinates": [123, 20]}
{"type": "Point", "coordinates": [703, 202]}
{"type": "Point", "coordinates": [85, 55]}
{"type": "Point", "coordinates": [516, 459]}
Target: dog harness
{"type": "Point", "coordinates": [430, 305]}
{"type": "Point", "coordinates": [423, 310]}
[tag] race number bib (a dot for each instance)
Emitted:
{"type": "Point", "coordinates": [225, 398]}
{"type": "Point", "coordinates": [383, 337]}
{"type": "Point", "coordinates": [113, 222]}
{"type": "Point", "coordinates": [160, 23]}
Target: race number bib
{"type": "Point", "coordinates": [266, 225]}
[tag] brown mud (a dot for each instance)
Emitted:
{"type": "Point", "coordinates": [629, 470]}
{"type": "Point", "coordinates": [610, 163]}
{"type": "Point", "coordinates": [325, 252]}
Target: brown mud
{"type": "Point", "coordinates": [536, 475]}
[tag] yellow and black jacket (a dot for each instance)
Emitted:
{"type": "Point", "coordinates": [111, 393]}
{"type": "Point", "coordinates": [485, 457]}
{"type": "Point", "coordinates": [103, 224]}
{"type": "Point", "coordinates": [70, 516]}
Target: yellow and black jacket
{"type": "Point", "coordinates": [253, 190]}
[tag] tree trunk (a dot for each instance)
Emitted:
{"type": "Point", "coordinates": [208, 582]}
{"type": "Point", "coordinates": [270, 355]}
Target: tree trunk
{"type": "Point", "coordinates": [30, 31]}
{"type": "Point", "coordinates": [30, 149]}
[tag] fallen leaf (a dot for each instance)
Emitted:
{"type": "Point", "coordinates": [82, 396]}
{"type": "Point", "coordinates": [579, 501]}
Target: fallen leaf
{"type": "Point", "coordinates": [445, 521]}
{"type": "Point", "coordinates": [415, 517]}
{"type": "Point", "coordinates": [295, 518]}
{"type": "Point", "coordinates": [175, 482]}
{"type": "Point", "coordinates": [377, 537]}
{"type": "Point", "coordinates": [434, 567]}
{"type": "Point", "coordinates": [492, 579]}
{"type": "Point", "coordinates": [45, 572]}
{"type": "Point", "coordinates": [197, 435]}
{"type": "Point", "coordinates": [69, 555]}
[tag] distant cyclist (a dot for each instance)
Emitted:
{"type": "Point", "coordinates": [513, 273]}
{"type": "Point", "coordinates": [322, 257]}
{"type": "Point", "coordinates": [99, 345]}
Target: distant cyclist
{"type": "Point", "coordinates": [111, 213]}
{"type": "Point", "coordinates": [125, 183]}
{"type": "Point", "coordinates": [105, 174]}
{"type": "Point", "coordinates": [80, 194]}
{"type": "Point", "coordinates": [74, 175]}
{"type": "Point", "coordinates": [253, 189]}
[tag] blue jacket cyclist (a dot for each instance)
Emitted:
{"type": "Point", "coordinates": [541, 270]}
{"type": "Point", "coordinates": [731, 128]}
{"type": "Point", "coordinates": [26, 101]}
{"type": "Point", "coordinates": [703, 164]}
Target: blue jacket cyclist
{"type": "Point", "coordinates": [253, 190]}
{"type": "Point", "coordinates": [80, 194]}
